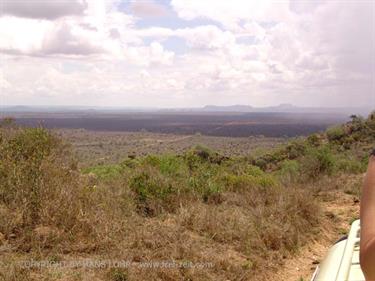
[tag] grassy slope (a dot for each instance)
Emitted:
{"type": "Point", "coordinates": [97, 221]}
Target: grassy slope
{"type": "Point", "coordinates": [244, 216]}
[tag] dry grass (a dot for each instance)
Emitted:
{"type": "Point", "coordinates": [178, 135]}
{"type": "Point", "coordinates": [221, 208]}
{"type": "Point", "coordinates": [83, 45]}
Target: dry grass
{"type": "Point", "coordinates": [199, 208]}
{"type": "Point", "coordinates": [234, 220]}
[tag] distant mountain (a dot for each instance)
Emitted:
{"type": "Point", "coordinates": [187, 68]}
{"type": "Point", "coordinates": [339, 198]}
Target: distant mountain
{"type": "Point", "coordinates": [247, 108]}
{"type": "Point", "coordinates": [237, 108]}
{"type": "Point", "coordinates": [229, 108]}
{"type": "Point", "coordinates": [288, 108]}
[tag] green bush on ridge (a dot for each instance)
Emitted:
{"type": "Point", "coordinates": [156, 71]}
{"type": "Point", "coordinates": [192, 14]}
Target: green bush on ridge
{"type": "Point", "coordinates": [336, 134]}
{"type": "Point", "coordinates": [341, 149]}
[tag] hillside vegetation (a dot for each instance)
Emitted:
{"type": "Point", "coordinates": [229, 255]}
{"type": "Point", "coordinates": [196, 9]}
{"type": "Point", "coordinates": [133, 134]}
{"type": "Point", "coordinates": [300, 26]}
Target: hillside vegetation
{"type": "Point", "coordinates": [238, 218]}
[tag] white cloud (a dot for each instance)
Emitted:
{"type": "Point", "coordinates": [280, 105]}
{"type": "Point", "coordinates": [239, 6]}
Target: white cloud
{"type": "Point", "coordinates": [4, 84]}
{"type": "Point", "coordinates": [148, 9]}
{"type": "Point", "coordinates": [210, 37]}
{"type": "Point", "coordinates": [157, 32]}
{"type": "Point", "coordinates": [258, 52]}
{"type": "Point", "coordinates": [19, 35]}
{"type": "Point", "coordinates": [154, 54]}
{"type": "Point", "coordinates": [231, 13]}
{"type": "Point", "coordinates": [43, 9]}
{"type": "Point", "coordinates": [253, 28]}
{"type": "Point", "coordinates": [65, 39]}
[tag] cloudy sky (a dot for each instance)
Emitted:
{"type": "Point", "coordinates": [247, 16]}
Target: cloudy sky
{"type": "Point", "coordinates": [183, 53]}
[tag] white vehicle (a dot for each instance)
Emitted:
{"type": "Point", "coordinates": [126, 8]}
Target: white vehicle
{"type": "Point", "coordinates": [342, 260]}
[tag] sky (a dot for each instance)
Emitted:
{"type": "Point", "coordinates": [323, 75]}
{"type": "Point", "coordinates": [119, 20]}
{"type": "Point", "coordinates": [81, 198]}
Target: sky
{"type": "Point", "coordinates": [187, 53]}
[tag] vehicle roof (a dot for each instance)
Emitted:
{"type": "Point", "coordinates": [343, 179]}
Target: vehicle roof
{"type": "Point", "coordinates": [342, 260]}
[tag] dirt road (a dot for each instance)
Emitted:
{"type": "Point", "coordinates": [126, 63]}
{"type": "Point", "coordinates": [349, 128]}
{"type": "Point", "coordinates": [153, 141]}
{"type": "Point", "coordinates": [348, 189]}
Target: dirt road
{"type": "Point", "coordinates": [340, 208]}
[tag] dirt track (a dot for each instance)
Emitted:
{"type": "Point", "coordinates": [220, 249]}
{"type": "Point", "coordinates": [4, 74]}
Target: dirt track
{"type": "Point", "coordinates": [339, 209]}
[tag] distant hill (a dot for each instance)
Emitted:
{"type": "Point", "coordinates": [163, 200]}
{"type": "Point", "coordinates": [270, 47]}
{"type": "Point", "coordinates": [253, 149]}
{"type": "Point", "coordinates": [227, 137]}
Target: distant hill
{"type": "Point", "coordinates": [238, 108]}
{"type": "Point", "coordinates": [287, 108]}
{"type": "Point", "coordinates": [229, 108]}
{"type": "Point", "coordinates": [248, 108]}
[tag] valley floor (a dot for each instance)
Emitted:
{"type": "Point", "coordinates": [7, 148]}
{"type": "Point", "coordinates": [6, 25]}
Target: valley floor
{"type": "Point", "coordinates": [93, 147]}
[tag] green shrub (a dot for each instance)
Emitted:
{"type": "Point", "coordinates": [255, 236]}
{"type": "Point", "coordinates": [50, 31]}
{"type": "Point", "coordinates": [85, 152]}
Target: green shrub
{"type": "Point", "coordinates": [201, 154]}
{"type": "Point", "coordinates": [244, 182]}
{"type": "Point", "coordinates": [314, 140]}
{"type": "Point", "coordinates": [130, 163]}
{"type": "Point", "coordinates": [290, 151]}
{"type": "Point", "coordinates": [106, 172]}
{"type": "Point", "coordinates": [237, 183]}
{"type": "Point", "coordinates": [261, 162]}
{"type": "Point", "coordinates": [156, 193]}
{"type": "Point", "coordinates": [370, 125]}
{"type": "Point", "coordinates": [348, 142]}
{"type": "Point", "coordinates": [295, 149]}
{"type": "Point", "coordinates": [170, 165]}
{"type": "Point", "coordinates": [317, 162]}
{"type": "Point", "coordinates": [289, 171]}
{"type": "Point", "coordinates": [335, 134]}
{"type": "Point", "coordinates": [371, 120]}
{"type": "Point", "coordinates": [350, 165]}
{"type": "Point", "coordinates": [204, 181]}
{"type": "Point", "coordinates": [254, 171]}
{"type": "Point", "coordinates": [149, 186]}
{"type": "Point", "coordinates": [212, 192]}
